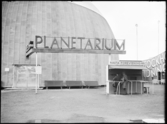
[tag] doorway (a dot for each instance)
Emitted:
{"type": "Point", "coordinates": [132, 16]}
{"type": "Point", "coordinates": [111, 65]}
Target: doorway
{"type": "Point", "coordinates": [25, 77]}
{"type": "Point", "coordinates": [159, 75]}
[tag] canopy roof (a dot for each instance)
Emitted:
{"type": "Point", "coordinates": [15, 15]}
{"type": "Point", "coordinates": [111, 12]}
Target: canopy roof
{"type": "Point", "coordinates": [25, 64]}
{"type": "Point", "coordinates": [127, 67]}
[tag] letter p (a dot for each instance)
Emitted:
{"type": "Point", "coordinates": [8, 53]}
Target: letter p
{"type": "Point", "coordinates": [38, 42]}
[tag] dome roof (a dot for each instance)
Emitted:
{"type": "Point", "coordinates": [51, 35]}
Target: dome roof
{"type": "Point", "coordinates": [88, 5]}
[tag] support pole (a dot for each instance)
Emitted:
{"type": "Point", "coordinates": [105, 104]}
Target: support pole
{"type": "Point", "coordinates": [136, 41]}
{"type": "Point", "coordinates": [17, 78]}
{"type": "Point", "coordinates": [13, 77]}
{"type": "Point", "coordinates": [152, 88]}
{"type": "Point", "coordinates": [36, 73]}
{"type": "Point", "coordinates": [107, 78]}
{"type": "Point", "coordinates": [131, 87]}
{"type": "Point", "coordinates": [6, 77]}
{"type": "Point", "coordinates": [38, 80]}
{"type": "Point", "coordinates": [161, 77]}
{"type": "Point", "coordinates": [158, 36]}
{"type": "Point", "coordinates": [107, 81]}
{"type": "Point", "coordinates": [136, 86]}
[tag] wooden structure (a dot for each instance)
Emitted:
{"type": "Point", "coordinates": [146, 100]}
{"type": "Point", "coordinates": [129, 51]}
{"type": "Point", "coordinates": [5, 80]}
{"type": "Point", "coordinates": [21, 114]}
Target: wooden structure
{"type": "Point", "coordinates": [135, 76]}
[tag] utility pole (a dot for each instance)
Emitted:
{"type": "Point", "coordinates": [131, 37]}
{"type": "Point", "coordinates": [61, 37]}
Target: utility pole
{"type": "Point", "coordinates": [136, 41]}
{"type": "Point", "coordinates": [158, 36]}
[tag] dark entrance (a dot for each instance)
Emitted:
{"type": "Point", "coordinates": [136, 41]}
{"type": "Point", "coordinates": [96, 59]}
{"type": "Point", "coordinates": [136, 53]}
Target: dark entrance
{"type": "Point", "coordinates": [159, 75]}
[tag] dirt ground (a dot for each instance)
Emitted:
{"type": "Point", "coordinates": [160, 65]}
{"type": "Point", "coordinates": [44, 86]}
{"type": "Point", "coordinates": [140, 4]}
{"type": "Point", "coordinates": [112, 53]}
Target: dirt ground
{"type": "Point", "coordinates": [79, 105]}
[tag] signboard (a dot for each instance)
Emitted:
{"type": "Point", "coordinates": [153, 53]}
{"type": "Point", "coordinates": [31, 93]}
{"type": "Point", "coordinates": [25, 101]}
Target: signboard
{"type": "Point", "coordinates": [38, 70]}
{"type": "Point", "coordinates": [78, 45]}
{"type": "Point", "coordinates": [6, 69]}
{"type": "Point", "coordinates": [127, 63]}
{"type": "Point", "coordinates": [155, 65]}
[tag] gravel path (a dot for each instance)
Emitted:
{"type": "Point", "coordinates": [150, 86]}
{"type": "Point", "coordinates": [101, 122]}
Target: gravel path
{"type": "Point", "coordinates": [79, 105]}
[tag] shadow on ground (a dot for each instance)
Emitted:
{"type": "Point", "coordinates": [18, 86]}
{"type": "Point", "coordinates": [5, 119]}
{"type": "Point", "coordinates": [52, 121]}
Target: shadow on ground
{"type": "Point", "coordinates": [75, 118]}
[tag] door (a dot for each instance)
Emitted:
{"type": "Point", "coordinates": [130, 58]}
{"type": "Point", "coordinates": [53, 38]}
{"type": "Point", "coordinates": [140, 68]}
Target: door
{"type": "Point", "coordinates": [159, 75]}
{"type": "Point", "coordinates": [26, 77]}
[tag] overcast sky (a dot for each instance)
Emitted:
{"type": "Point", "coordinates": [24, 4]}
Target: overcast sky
{"type": "Point", "coordinates": [123, 17]}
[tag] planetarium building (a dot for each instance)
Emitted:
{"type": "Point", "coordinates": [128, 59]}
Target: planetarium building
{"type": "Point", "coordinates": [59, 25]}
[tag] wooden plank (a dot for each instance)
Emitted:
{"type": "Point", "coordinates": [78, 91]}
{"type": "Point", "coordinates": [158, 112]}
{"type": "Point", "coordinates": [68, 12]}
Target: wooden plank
{"type": "Point", "coordinates": [74, 83]}
{"type": "Point", "coordinates": [54, 83]}
{"type": "Point", "coordinates": [91, 83]}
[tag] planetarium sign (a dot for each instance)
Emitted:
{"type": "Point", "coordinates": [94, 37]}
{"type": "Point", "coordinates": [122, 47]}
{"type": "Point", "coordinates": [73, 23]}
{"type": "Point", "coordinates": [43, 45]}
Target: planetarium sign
{"type": "Point", "coordinates": [75, 45]}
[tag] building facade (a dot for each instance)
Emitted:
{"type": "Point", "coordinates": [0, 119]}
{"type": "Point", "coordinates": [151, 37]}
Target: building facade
{"type": "Point", "coordinates": [23, 20]}
{"type": "Point", "coordinates": [155, 67]}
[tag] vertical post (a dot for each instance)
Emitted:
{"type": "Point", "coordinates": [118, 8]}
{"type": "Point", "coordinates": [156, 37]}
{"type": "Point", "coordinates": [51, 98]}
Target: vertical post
{"type": "Point", "coordinates": [6, 77]}
{"type": "Point", "coordinates": [158, 36]}
{"type": "Point", "coordinates": [161, 78]}
{"type": "Point", "coordinates": [17, 77]}
{"type": "Point", "coordinates": [141, 87]}
{"type": "Point", "coordinates": [109, 59]}
{"type": "Point", "coordinates": [27, 82]}
{"type": "Point", "coordinates": [119, 87]}
{"type": "Point", "coordinates": [36, 73]}
{"type": "Point", "coordinates": [136, 41]}
{"type": "Point", "coordinates": [152, 88]}
{"type": "Point", "coordinates": [128, 88]}
{"type": "Point", "coordinates": [107, 82]}
{"type": "Point", "coordinates": [136, 86]}
{"type": "Point", "coordinates": [107, 78]}
{"type": "Point", "coordinates": [13, 77]}
{"type": "Point", "coordinates": [38, 80]}
{"type": "Point", "coordinates": [131, 87]}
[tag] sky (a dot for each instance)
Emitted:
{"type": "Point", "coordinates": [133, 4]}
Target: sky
{"type": "Point", "coordinates": [148, 38]}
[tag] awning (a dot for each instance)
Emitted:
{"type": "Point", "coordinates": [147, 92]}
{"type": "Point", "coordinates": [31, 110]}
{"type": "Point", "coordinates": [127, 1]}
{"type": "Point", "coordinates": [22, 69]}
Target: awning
{"type": "Point", "coordinates": [25, 64]}
{"type": "Point", "coordinates": [127, 67]}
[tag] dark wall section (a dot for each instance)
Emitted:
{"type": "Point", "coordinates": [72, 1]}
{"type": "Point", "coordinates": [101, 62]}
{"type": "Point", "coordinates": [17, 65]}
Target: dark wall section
{"type": "Point", "coordinates": [132, 74]}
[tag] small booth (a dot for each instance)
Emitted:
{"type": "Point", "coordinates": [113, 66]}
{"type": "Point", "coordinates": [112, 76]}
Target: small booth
{"type": "Point", "coordinates": [134, 72]}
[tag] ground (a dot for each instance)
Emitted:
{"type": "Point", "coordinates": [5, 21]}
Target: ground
{"type": "Point", "coordinates": [79, 105]}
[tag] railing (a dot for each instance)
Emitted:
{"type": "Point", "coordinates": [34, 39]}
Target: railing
{"type": "Point", "coordinates": [132, 81]}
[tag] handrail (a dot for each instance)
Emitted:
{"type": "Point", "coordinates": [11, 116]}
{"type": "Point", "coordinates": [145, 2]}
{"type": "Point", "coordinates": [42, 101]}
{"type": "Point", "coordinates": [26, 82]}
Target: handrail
{"type": "Point", "coordinates": [132, 81]}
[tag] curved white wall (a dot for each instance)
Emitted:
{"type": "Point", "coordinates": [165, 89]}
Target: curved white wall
{"type": "Point", "coordinates": [88, 5]}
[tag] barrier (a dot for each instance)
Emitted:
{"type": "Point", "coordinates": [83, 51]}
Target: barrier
{"type": "Point", "coordinates": [155, 81]}
{"type": "Point", "coordinates": [162, 81]}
